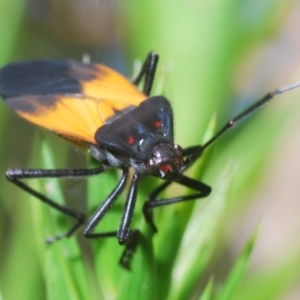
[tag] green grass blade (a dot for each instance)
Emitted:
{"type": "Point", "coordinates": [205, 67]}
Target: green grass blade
{"type": "Point", "coordinates": [200, 237]}
{"type": "Point", "coordinates": [238, 271]}
{"type": "Point", "coordinates": [64, 270]}
{"type": "Point", "coordinates": [207, 293]}
{"type": "Point", "coordinates": [112, 280]}
{"type": "Point", "coordinates": [271, 283]}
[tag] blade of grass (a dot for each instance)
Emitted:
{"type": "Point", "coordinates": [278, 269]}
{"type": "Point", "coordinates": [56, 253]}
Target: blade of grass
{"type": "Point", "coordinates": [142, 280]}
{"type": "Point", "coordinates": [114, 281]}
{"type": "Point", "coordinates": [64, 269]}
{"type": "Point", "coordinates": [200, 237]}
{"type": "Point", "coordinates": [238, 271]}
{"type": "Point", "coordinates": [207, 293]}
{"type": "Point", "coordinates": [106, 252]}
{"type": "Point", "coordinates": [271, 283]}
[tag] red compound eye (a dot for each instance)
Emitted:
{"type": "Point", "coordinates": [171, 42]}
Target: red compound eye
{"type": "Point", "coordinates": [130, 140]}
{"type": "Point", "coordinates": [157, 124]}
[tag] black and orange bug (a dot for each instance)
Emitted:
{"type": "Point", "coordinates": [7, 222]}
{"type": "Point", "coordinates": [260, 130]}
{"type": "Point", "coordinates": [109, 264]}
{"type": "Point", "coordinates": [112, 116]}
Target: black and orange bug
{"type": "Point", "coordinates": [97, 108]}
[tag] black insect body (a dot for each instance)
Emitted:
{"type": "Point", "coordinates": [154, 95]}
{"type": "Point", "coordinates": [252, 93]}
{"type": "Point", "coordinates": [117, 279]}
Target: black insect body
{"type": "Point", "coordinates": [135, 134]}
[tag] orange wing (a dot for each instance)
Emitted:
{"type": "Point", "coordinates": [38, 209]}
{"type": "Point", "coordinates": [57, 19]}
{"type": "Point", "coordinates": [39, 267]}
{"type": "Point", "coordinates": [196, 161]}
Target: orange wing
{"type": "Point", "coordinates": [71, 98]}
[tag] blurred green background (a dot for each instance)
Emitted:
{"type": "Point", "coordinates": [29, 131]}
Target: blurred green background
{"type": "Point", "coordinates": [216, 58]}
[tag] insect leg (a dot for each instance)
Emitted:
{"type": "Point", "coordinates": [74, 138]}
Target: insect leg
{"type": "Point", "coordinates": [147, 211]}
{"type": "Point", "coordinates": [103, 209]}
{"type": "Point", "coordinates": [14, 176]}
{"type": "Point", "coordinates": [124, 230]}
{"type": "Point", "coordinates": [192, 153]}
{"type": "Point", "coordinates": [202, 189]}
{"type": "Point", "coordinates": [148, 70]}
{"type": "Point", "coordinates": [130, 248]}
{"type": "Point", "coordinates": [125, 235]}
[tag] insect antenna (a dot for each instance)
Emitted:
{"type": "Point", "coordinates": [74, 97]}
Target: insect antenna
{"type": "Point", "coordinates": [248, 111]}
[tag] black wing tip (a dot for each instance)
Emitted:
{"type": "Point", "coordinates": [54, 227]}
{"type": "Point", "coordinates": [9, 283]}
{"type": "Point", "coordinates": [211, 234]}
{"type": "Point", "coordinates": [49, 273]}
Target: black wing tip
{"type": "Point", "coordinates": [44, 77]}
